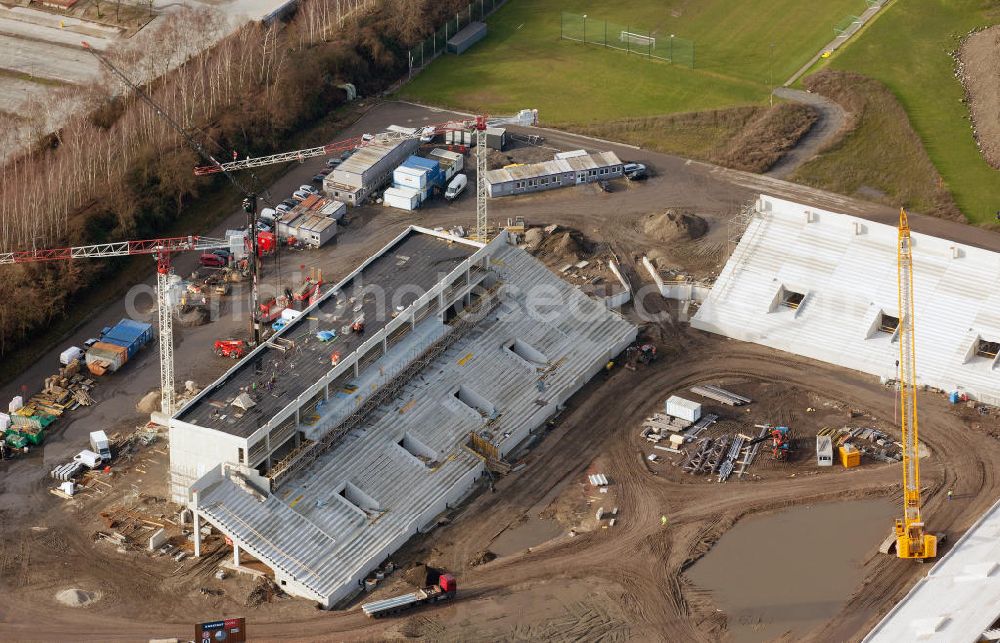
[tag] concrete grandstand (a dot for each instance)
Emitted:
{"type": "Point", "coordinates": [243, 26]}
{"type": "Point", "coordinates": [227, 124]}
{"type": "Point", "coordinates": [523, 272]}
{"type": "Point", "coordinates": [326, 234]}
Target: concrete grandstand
{"type": "Point", "coordinates": [466, 351]}
{"type": "Point", "coordinates": [823, 285]}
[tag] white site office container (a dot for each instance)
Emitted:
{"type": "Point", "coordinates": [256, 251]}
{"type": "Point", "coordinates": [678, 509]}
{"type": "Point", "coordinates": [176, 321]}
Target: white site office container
{"type": "Point", "coordinates": [15, 403]}
{"type": "Point", "coordinates": [570, 155]}
{"type": "Point", "coordinates": [289, 315]}
{"type": "Point", "coordinates": [824, 451]}
{"type": "Point", "coordinates": [683, 409]}
{"type": "Point", "coordinates": [410, 177]}
{"type": "Point", "coordinates": [402, 197]}
{"type": "Point", "coordinates": [4, 422]}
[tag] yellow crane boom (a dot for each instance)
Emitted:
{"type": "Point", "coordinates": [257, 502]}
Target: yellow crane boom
{"type": "Point", "coordinates": [911, 541]}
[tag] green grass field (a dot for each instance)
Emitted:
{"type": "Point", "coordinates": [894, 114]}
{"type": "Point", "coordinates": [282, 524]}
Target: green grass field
{"type": "Point", "coordinates": [907, 49]}
{"type": "Point", "coordinates": [523, 62]}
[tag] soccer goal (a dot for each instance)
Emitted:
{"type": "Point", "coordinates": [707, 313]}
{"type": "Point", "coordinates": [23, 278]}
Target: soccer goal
{"type": "Point", "coordinates": [643, 41]}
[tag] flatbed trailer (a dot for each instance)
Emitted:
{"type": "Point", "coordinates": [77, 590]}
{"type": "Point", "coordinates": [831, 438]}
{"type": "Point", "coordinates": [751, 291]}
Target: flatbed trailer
{"type": "Point", "coordinates": [444, 590]}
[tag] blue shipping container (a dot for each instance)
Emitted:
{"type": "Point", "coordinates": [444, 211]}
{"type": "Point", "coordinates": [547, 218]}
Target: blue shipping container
{"type": "Point", "coordinates": [129, 334]}
{"type": "Point", "coordinates": [434, 174]}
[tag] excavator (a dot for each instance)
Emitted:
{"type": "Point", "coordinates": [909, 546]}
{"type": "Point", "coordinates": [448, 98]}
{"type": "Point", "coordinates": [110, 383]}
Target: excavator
{"type": "Point", "coordinates": [911, 541]}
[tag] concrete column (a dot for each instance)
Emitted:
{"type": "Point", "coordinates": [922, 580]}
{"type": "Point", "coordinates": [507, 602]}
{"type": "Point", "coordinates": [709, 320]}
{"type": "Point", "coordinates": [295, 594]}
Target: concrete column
{"type": "Point", "coordinates": [385, 344]}
{"type": "Point", "coordinates": [357, 371]}
{"type": "Point", "coordinates": [236, 554]}
{"type": "Point", "coordinates": [326, 391]}
{"type": "Point", "coordinates": [413, 320]}
{"type": "Point", "coordinates": [468, 274]}
{"type": "Point", "coordinates": [197, 535]}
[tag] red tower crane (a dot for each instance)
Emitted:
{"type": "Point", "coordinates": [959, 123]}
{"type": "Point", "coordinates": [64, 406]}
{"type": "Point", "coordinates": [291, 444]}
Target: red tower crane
{"type": "Point", "coordinates": [162, 249]}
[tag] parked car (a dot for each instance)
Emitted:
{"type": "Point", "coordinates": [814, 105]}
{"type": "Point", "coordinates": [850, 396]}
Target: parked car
{"type": "Point", "coordinates": [634, 171]}
{"type": "Point", "coordinates": [332, 163]}
{"type": "Point", "coordinates": [222, 252]}
{"type": "Point", "coordinates": [212, 260]}
{"type": "Point", "coordinates": [282, 208]}
{"type": "Point", "coordinates": [291, 203]}
{"type": "Point", "coordinates": [263, 227]}
{"type": "Point", "coordinates": [301, 195]}
{"type": "Point", "coordinates": [90, 342]}
{"type": "Point", "coordinates": [268, 215]}
{"type": "Point", "coordinates": [346, 155]}
{"type": "Point", "coordinates": [308, 188]}
{"type": "Point", "coordinates": [319, 177]}
{"type": "Point", "coordinates": [367, 137]}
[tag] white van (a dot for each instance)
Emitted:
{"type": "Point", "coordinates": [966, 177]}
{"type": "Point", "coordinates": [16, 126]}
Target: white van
{"type": "Point", "coordinates": [456, 187]}
{"type": "Point", "coordinates": [268, 216]}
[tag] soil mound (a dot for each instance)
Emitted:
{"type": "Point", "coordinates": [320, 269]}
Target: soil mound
{"type": "Point", "coordinates": [77, 597]}
{"type": "Point", "coordinates": [149, 403]}
{"type": "Point", "coordinates": [673, 226]}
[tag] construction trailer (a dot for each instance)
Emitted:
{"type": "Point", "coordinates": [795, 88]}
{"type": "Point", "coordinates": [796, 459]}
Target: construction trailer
{"type": "Point", "coordinates": [496, 138]}
{"type": "Point", "coordinates": [312, 229]}
{"type": "Point", "coordinates": [367, 170]}
{"type": "Point", "coordinates": [824, 451]}
{"type": "Point", "coordinates": [548, 175]}
{"type": "Point", "coordinates": [451, 162]}
{"type": "Point", "coordinates": [333, 467]}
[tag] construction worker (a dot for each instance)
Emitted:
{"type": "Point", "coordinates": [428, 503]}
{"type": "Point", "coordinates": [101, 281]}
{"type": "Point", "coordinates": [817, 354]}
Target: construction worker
{"type": "Point", "coordinates": [950, 494]}
{"type": "Point", "coordinates": [663, 521]}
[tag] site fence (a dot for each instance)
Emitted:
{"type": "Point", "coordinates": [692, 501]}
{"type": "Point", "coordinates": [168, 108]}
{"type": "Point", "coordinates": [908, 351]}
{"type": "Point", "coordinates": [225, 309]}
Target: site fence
{"type": "Point", "coordinates": [436, 44]}
{"type": "Point", "coordinates": [631, 39]}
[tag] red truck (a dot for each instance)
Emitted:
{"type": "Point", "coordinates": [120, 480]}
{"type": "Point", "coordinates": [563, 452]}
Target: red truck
{"type": "Point", "coordinates": [443, 591]}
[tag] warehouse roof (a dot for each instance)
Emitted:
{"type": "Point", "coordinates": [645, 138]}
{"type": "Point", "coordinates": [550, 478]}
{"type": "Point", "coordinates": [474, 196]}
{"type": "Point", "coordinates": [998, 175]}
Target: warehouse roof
{"type": "Point", "coordinates": [413, 263]}
{"type": "Point", "coordinates": [823, 285]}
{"type": "Point", "coordinates": [959, 600]}
{"type": "Point", "coordinates": [550, 168]}
{"type": "Point", "coordinates": [361, 500]}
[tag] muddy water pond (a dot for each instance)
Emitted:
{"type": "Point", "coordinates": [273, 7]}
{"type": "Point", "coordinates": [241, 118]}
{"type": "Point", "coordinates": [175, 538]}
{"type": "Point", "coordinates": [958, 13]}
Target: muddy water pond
{"type": "Point", "coordinates": [784, 573]}
{"type": "Point", "coordinates": [530, 533]}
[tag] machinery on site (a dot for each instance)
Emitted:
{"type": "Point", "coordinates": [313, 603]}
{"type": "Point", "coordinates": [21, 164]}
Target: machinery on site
{"type": "Point", "coordinates": [443, 590]}
{"type": "Point", "coordinates": [162, 249]}
{"type": "Point", "coordinates": [231, 348]}
{"type": "Point", "coordinates": [782, 442]}
{"type": "Point", "coordinates": [911, 541]}
{"type": "Point", "coordinates": [479, 124]}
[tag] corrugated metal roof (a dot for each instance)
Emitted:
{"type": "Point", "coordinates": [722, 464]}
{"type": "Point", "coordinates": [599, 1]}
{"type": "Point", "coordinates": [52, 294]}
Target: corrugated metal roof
{"type": "Point", "coordinates": [367, 156]}
{"type": "Point", "coordinates": [550, 168]}
{"type": "Point", "coordinates": [846, 268]}
{"type": "Point", "coordinates": [315, 223]}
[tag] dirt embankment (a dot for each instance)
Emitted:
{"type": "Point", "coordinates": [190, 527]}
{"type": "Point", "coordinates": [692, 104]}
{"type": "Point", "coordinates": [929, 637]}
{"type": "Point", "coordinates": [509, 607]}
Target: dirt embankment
{"type": "Point", "coordinates": [743, 138]}
{"type": "Point", "coordinates": [979, 70]}
{"type": "Point", "coordinates": [878, 156]}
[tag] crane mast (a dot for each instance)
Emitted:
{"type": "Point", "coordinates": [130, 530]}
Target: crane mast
{"type": "Point", "coordinates": [162, 248]}
{"type": "Point", "coordinates": [911, 541]}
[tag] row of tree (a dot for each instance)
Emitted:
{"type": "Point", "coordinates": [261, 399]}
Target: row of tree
{"type": "Point", "coordinates": [117, 170]}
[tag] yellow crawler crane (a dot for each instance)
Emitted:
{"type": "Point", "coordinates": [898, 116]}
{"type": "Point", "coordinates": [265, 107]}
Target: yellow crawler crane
{"type": "Point", "coordinates": [911, 541]}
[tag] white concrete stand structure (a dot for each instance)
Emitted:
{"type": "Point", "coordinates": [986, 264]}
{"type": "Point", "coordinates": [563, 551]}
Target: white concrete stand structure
{"type": "Point", "coordinates": [823, 285]}
{"type": "Point", "coordinates": [492, 349]}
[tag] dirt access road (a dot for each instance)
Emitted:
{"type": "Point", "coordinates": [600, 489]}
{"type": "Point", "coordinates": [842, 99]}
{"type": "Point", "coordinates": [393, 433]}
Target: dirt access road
{"type": "Point", "coordinates": [639, 564]}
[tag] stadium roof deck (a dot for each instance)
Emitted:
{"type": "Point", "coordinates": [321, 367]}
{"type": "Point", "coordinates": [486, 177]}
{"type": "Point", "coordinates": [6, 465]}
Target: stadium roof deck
{"type": "Point", "coordinates": [403, 271]}
{"type": "Point", "coordinates": [558, 166]}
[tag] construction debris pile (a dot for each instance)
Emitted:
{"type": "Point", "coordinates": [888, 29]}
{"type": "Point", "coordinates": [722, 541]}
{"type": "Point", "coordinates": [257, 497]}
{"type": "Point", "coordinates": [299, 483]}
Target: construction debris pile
{"type": "Point", "coordinates": [868, 441]}
{"type": "Point", "coordinates": [26, 422]}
